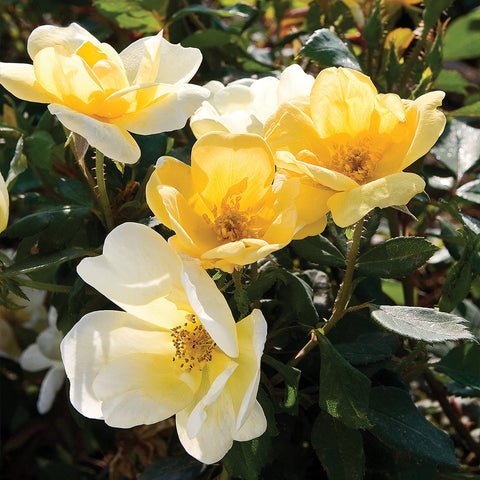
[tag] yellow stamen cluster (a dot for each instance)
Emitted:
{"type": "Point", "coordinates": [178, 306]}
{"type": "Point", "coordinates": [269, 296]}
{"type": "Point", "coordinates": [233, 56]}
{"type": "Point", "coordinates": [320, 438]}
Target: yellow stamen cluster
{"type": "Point", "coordinates": [357, 161]}
{"type": "Point", "coordinates": [194, 346]}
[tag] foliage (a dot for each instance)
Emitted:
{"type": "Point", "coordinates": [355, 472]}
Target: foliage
{"type": "Point", "coordinates": [373, 330]}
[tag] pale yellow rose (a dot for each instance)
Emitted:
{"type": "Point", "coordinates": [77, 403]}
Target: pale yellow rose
{"type": "Point", "coordinates": [100, 94]}
{"type": "Point", "coordinates": [176, 348]}
{"type": "Point", "coordinates": [228, 209]}
{"type": "Point", "coordinates": [355, 141]}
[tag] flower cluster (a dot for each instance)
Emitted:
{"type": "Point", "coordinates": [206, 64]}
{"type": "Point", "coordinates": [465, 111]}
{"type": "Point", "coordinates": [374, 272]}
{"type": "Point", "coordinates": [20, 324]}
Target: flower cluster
{"type": "Point", "coordinates": [273, 157]}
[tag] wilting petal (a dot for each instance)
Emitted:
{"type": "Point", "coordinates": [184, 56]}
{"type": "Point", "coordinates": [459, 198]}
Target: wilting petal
{"type": "Point", "coordinates": [111, 140]}
{"type": "Point", "coordinates": [49, 388]}
{"type": "Point", "coordinates": [428, 124]}
{"type": "Point", "coordinates": [210, 306]}
{"type": "Point", "coordinates": [70, 37]}
{"type": "Point", "coordinates": [4, 204]}
{"type": "Point", "coordinates": [19, 79]}
{"type": "Point", "coordinates": [221, 162]}
{"type": "Point", "coordinates": [165, 114]}
{"type": "Point", "coordinates": [397, 189]}
{"type": "Point", "coordinates": [136, 271]}
{"type": "Point", "coordinates": [342, 101]}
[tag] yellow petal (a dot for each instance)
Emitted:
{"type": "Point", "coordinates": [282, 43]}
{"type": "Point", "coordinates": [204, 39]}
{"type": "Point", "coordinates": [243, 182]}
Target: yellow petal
{"type": "Point", "coordinates": [221, 162]}
{"type": "Point", "coordinates": [20, 80]}
{"type": "Point", "coordinates": [349, 207]}
{"type": "Point", "coordinates": [4, 204]}
{"type": "Point", "coordinates": [342, 101]}
{"type": "Point", "coordinates": [111, 140]}
{"type": "Point", "coordinates": [425, 124]}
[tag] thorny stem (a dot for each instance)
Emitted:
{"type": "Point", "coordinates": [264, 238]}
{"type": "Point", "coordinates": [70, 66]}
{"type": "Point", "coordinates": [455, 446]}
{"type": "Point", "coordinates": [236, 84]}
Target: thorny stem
{"type": "Point", "coordinates": [440, 393]}
{"type": "Point", "coordinates": [102, 191]}
{"type": "Point", "coordinates": [344, 293]}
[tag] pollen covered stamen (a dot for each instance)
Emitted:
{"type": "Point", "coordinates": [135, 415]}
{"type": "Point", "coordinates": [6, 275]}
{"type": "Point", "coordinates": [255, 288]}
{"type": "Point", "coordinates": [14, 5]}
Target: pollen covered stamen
{"type": "Point", "coordinates": [194, 346]}
{"type": "Point", "coordinates": [355, 161]}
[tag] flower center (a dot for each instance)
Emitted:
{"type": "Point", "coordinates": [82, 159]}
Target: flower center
{"type": "Point", "coordinates": [194, 346]}
{"type": "Point", "coordinates": [356, 161]}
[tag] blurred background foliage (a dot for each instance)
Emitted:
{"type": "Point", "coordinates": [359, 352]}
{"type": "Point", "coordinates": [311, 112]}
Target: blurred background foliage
{"type": "Point", "coordinates": [393, 383]}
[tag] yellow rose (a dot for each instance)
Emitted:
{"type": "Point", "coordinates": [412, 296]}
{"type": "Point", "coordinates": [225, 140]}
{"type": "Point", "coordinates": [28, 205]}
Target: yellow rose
{"type": "Point", "coordinates": [100, 94]}
{"type": "Point", "coordinates": [228, 209]}
{"type": "Point", "coordinates": [355, 141]}
{"type": "Point", "coordinates": [4, 204]}
{"type": "Point", "coordinates": [175, 349]}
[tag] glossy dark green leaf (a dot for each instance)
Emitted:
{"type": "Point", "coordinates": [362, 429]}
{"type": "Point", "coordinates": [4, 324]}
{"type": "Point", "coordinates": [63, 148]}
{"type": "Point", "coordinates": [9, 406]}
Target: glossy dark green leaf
{"type": "Point", "coordinates": [396, 257]}
{"type": "Point", "coordinates": [39, 262]}
{"type": "Point", "coordinates": [471, 223]}
{"type": "Point", "coordinates": [208, 38]}
{"type": "Point", "coordinates": [75, 191]}
{"type": "Point", "coordinates": [339, 448]}
{"type": "Point", "coordinates": [398, 424]}
{"type": "Point", "coordinates": [458, 147]}
{"type": "Point", "coordinates": [291, 377]}
{"type": "Point", "coordinates": [470, 191]}
{"type": "Point", "coordinates": [369, 348]}
{"type": "Point", "coordinates": [462, 39]}
{"type": "Point", "coordinates": [373, 29]}
{"type": "Point", "coordinates": [32, 224]}
{"type": "Point", "coordinates": [38, 148]}
{"type": "Point", "coordinates": [457, 283]}
{"type": "Point", "coordinates": [421, 323]}
{"type": "Point", "coordinates": [462, 364]}
{"type": "Point", "coordinates": [318, 249]}
{"type": "Point", "coordinates": [326, 49]}
{"type": "Point", "coordinates": [344, 390]}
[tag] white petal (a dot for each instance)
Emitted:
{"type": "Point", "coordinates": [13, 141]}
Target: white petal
{"type": "Point", "coordinates": [254, 426]}
{"type": "Point", "coordinates": [33, 360]}
{"type": "Point", "coordinates": [137, 270]}
{"type": "Point", "coordinates": [49, 343]}
{"type": "Point", "coordinates": [233, 98]}
{"type": "Point", "coordinates": [111, 140]}
{"type": "Point", "coordinates": [70, 37]}
{"type": "Point", "coordinates": [90, 345]}
{"type": "Point", "coordinates": [167, 113]}
{"type": "Point", "coordinates": [210, 306]}
{"type": "Point", "coordinates": [294, 82]}
{"type": "Point", "coordinates": [51, 384]}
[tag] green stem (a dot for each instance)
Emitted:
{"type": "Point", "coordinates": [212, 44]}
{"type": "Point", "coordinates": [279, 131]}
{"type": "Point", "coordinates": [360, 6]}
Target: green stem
{"type": "Point", "coordinates": [102, 191]}
{"type": "Point", "coordinates": [411, 357]}
{"type": "Point", "coordinates": [344, 293]}
{"type": "Point", "coordinates": [50, 287]}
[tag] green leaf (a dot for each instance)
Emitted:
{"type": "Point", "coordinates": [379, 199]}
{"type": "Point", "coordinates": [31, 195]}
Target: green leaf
{"type": "Point", "coordinates": [39, 262]}
{"type": "Point", "coordinates": [208, 38]}
{"type": "Point", "coordinates": [140, 15]}
{"type": "Point", "coordinates": [396, 257]}
{"type": "Point", "coordinates": [451, 81]}
{"type": "Point", "coordinates": [242, 301]}
{"type": "Point", "coordinates": [339, 448]}
{"type": "Point", "coordinates": [470, 223]}
{"type": "Point", "coordinates": [369, 348]}
{"type": "Point", "coordinates": [459, 147]}
{"type": "Point", "coordinates": [318, 249]}
{"type": "Point", "coordinates": [75, 191]}
{"type": "Point", "coordinates": [18, 164]}
{"type": "Point", "coordinates": [326, 49]}
{"type": "Point", "coordinates": [182, 467]}
{"type": "Point", "coordinates": [398, 424]}
{"type": "Point", "coordinates": [421, 323]}
{"type": "Point", "coordinates": [456, 285]}
{"type": "Point", "coordinates": [246, 459]}
{"type": "Point", "coordinates": [432, 11]}
{"type": "Point", "coordinates": [462, 364]}
{"type": "Point", "coordinates": [462, 39]}
{"type": "Point", "coordinates": [291, 377]}
{"type": "Point", "coordinates": [472, 110]}
{"type": "Point", "coordinates": [233, 11]}
{"type": "Point", "coordinates": [470, 191]}
{"type": "Point", "coordinates": [373, 29]}
{"type": "Point", "coordinates": [344, 391]}
{"type": "Point", "coordinates": [38, 148]}
{"type": "Point", "coordinates": [34, 223]}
